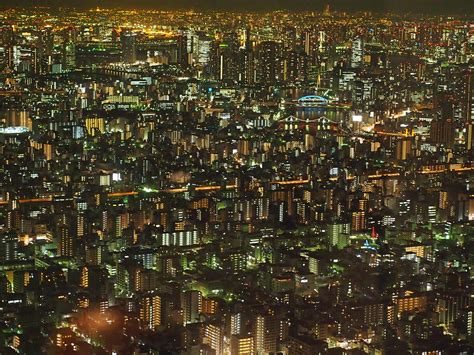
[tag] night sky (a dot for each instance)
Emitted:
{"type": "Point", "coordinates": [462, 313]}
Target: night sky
{"type": "Point", "coordinates": [417, 6]}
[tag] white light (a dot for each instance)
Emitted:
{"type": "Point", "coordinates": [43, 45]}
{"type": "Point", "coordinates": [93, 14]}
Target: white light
{"type": "Point", "coordinates": [13, 130]}
{"type": "Point", "coordinates": [356, 118]}
{"type": "Point", "coordinates": [116, 177]}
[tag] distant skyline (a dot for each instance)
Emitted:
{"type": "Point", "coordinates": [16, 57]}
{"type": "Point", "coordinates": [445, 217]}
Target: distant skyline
{"type": "Point", "coordinates": [464, 7]}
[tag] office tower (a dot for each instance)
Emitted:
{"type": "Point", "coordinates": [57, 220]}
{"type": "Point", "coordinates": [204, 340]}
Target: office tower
{"type": "Point", "coordinates": [306, 40]}
{"type": "Point", "coordinates": [245, 61]}
{"type": "Point", "coordinates": [45, 48]}
{"type": "Point", "coordinates": [214, 65]}
{"type": "Point", "coordinates": [469, 111]}
{"type": "Point", "coordinates": [203, 47]}
{"type": "Point", "coordinates": [128, 40]}
{"type": "Point", "coordinates": [442, 129]}
{"type": "Point", "coordinates": [269, 62]}
{"type": "Point", "coordinates": [322, 41]}
{"type": "Point", "coordinates": [290, 38]}
{"type": "Point", "coordinates": [69, 48]}
{"type": "Point", "coordinates": [357, 56]}
{"type": "Point", "coordinates": [469, 108]}
{"type": "Point", "coordinates": [227, 57]}
{"type": "Point", "coordinates": [295, 66]}
{"type": "Point", "coordinates": [308, 49]}
{"type": "Point", "coordinates": [182, 51]}
{"type": "Point", "coordinates": [248, 40]}
{"type": "Point", "coordinates": [246, 66]}
{"type": "Point", "coordinates": [190, 37]}
{"type": "Point", "coordinates": [376, 55]}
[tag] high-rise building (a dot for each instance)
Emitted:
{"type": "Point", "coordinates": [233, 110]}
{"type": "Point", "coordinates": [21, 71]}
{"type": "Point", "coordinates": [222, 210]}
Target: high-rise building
{"type": "Point", "coordinates": [246, 66]}
{"type": "Point", "coordinates": [337, 234]}
{"type": "Point", "coordinates": [375, 55]}
{"type": "Point", "coordinates": [469, 136]}
{"type": "Point", "coordinates": [69, 48]}
{"type": "Point", "coordinates": [150, 311]}
{"type": "Point", "coordinates": [227, 57]}
{"type": "Point", "coordinates": [403, 148]}
{"type": "Point", "coordinates": [182, 51]}
{"type": "Point", "coordinates": [469, 108]}
{"type": "Point", "coordinates": [248, 40]}
{"type": "Point", "coordinates": [269, 62]}
{"type": "Point", "coordinates": [265, 332]}
{"type": "Point", "coordinates": [45, 47]}
{"type": "Point", "coordinates": [242, 345]}
{"type": "Point", "coordinates": [357, 56]}
{"type": "Point", "coordinates": [442, 129]}
{"type": "Point", "coordinates": [290, 38]}
{"type": "Point", "coordinates": [95, 125]}
{"type": "Point", "coordinates": [8, 246]}
{"type": "Point", "coordinates": [469, 111]}
{"type": "Point", "coordinates": [236, 323]}
{"type": "Point", "coordinates": [295, 66]}
{"type": "Point", "coordinates": [203, 48]}
{"type": "Point", "coordinates": [306, 39]}
{"type": "Point", "coordinates": [128, 40]}
{"type": "Point", "coordinates": [66, 243]}
{"type": "Point", "coordinates": [8, 42]}
{"type": "Point", "coordinates": [358, 221]}
{"type": "Point", "coordinates": [191, 303]}
{"type": "Point", "coordinates": [214, 337]}
{"type": "Point", "coordinates": [442, 132]}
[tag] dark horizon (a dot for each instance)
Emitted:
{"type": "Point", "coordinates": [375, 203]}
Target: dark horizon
{"type": "Point", "coordinates": [460, 7]}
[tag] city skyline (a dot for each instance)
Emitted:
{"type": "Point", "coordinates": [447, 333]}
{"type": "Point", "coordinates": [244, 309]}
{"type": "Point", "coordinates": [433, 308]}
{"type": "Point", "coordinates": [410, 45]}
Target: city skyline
{"type": "Point", "coordinates": [440, 7]}
{"type": "Point", "coordinates": [208, 182]}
